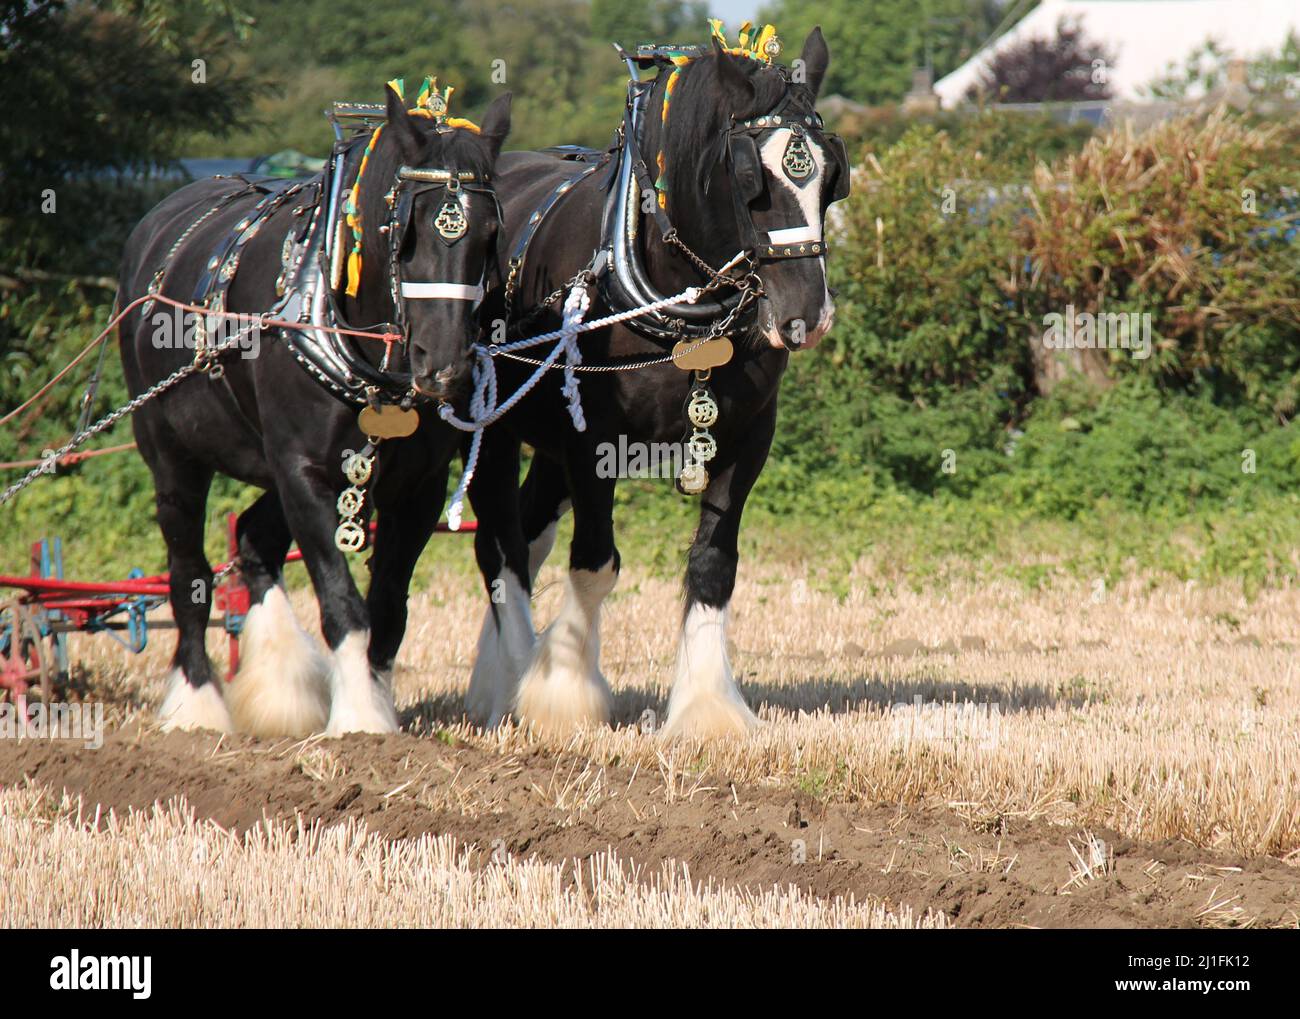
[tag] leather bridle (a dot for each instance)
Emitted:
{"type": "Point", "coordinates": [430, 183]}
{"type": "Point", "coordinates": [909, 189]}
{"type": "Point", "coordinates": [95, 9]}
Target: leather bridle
{"type": "Point", "coordinates": [449, 224]}
{"type": "Point", "coordinates": [745, 141]}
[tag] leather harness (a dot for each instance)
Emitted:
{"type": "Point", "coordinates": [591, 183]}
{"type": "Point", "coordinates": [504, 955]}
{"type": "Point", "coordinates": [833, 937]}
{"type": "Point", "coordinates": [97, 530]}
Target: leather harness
{"type": "Point", "coordinates": [311, 251]}
{"type": "Point", "coordinates": [617, 264]}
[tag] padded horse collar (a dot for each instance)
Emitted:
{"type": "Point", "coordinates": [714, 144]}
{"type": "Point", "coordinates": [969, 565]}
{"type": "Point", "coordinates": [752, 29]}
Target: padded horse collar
{"type": "Point", "coordinates": [626, 283]}
{"type": "Point", "coordinates": [309, 293]}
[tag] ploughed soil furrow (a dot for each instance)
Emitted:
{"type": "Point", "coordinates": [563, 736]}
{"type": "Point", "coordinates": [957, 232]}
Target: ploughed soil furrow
{"type": "Point", "coordinates": [558, 807]}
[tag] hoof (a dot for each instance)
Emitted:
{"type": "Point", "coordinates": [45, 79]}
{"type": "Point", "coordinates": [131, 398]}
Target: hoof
{"type": "Point", "coordinates": [282, 686]}
{"type": "Point", "coordinates": [711, 716]}
{"type": "Point", "coordinates": [188, 707]}
{"type": "Point", "coordinates": [360, 701]}
{"type": "Point", "coordinates": [557, 701]}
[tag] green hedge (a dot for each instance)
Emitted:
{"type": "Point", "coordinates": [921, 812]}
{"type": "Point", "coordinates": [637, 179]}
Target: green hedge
{"type": "Point", "coordinates": [920, 424]}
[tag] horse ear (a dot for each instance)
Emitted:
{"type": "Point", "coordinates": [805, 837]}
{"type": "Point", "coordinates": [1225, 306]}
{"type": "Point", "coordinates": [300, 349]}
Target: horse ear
{"type": "Point", "coordinates": [814, 61]}
{"type": "Point", "coordinates": [496, 123]}
{"type": "Point", "coordinates": [732, 76]}
{"type": "Point", "coordinates": [399, 122]}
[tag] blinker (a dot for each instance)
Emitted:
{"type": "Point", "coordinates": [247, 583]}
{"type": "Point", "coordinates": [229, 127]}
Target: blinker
{"type": "Point", "coordinates": [746, 166]}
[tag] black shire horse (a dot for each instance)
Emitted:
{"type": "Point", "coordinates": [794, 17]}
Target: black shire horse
{"type": "Point", "coordinates": [745, 165]}
{"type": "Point", "coordinates": [282, 413]}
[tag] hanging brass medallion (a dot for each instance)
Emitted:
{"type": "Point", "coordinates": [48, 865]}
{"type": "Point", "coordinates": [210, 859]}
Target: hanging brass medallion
{"type": "Point", "coordinates": [350, 536]}
{"type": "Point", "coordinates": [450, 221]}
{"type": "Point", "coordinates": [798, 161]}
{"type": "Point", "coordinates": [701, 446]}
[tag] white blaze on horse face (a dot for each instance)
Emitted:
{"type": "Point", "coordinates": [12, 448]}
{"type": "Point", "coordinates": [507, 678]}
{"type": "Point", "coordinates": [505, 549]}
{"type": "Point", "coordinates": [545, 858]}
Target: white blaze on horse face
{"type": "Point", "coordinates": [562, 688]}
{"type": "Point", "coordinates": [282, 686]}
{"type": "Point", "coordinates": [809, 200]}
{"type": "Point", "coordinates": [185, 707]}
{"type": "Point", "coordinates": [705, 701]}
{"type": "Point", "coordinates": [357, 702]}
{"type": "Point", "coordinates": [505, 647]}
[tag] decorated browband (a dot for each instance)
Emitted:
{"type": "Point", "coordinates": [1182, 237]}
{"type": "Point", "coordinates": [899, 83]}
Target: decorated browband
{"type": "Point", "coordinates": [430, 102]}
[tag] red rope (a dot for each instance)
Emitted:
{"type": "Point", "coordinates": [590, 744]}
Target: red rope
{"type": "Point", "coordinates": [71, 458]}
{"type": "Point", "coordinates": [386, 338]}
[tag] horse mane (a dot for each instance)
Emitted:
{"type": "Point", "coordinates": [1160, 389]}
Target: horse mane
{"type": "Point", "coordinates": [693, 139]}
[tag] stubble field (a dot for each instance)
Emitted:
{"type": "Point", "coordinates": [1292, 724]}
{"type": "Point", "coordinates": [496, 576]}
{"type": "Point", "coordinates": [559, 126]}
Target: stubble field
{"type": "Point", "coordinates": [965, 755]}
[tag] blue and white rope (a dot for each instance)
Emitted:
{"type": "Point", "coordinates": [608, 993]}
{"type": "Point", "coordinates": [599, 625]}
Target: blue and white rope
{"type": "Point", "coordinates": [483, 407]}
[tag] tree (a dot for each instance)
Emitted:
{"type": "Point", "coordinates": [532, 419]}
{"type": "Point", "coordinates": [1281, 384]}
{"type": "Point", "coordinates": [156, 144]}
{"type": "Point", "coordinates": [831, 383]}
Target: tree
{"type": "Point", "coordinates": [630, 24]}
{"type": "Point", "coordinates": [1068, 68]}
{"type": "Point", "coordinates": [1206, 69]}
{"type": "Point", "coordinates": [875, 46]}
{"type": "Point", "coordinates": [88, 88]}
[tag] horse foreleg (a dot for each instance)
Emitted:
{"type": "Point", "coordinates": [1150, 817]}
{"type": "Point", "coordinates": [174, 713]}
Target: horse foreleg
{"type": "Point", "coordinates": [705, 700]}
{"type": "Point", "coordinates": [543, 500]}
{"type": "Point", "coordinates": [282, 686]}
{"type": "Point", "coordinates": [359, 700]}
{"type": "Point", "coordinates": [506, 638]}
{"type": "Point", "coordinates": [562, 687]}
{"type": "Point", "coordinates": [408, 516]}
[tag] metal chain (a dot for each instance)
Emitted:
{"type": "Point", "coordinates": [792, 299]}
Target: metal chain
{"type": "Point", "coordinates": [750, 286]}
{"type": "Point", "coordinates": [717, 279]}
{"type": "Point", "coordinates": [584, 277]}
{"type": "Point", "coordinates": [204, 362]}
{"type": "Point", "coordinates": [748, 295]}
{"type": "Point", "coordinates": [225, 571]}
{"type": "Point", "coordinates": [102, 424]}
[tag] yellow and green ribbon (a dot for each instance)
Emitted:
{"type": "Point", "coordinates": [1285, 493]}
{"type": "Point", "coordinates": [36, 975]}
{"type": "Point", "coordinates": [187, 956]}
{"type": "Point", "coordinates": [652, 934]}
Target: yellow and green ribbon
{"type": "Point", "coordinates": [424, 107]}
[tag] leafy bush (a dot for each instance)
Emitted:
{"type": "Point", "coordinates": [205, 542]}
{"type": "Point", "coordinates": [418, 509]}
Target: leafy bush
{"type": "Point", "coordinates": [1138, 448]}
{"type": "Point", "coordinates": [1193, 222]}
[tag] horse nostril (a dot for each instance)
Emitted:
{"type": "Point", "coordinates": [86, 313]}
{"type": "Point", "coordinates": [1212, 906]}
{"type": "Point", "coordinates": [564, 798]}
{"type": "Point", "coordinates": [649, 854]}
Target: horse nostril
{"type": "Point", "coordinates": [794, 333]}
{"type": "Point", "coordinates": [449, 384]}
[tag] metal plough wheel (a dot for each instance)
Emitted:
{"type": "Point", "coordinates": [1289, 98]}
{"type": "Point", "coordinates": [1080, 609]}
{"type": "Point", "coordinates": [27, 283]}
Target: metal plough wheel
{"type": "Point", "coordinates": [23, 659]}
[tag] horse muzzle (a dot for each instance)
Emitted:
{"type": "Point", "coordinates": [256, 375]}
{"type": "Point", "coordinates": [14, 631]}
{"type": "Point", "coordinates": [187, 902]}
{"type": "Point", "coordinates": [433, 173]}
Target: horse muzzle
{"type": "Point", "coordinates": [447, 385]}
{"type": "Point", "coordinates": [794, 334]}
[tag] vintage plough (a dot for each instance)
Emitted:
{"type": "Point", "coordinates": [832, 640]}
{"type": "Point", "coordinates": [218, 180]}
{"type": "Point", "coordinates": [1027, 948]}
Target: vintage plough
{"type": "Point", "coordinates": [43, 607]}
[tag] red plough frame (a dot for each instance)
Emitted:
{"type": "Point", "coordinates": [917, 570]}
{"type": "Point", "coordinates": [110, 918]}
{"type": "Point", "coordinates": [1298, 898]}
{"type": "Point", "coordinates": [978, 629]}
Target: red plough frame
{"type": "Point", "coordinates": [34, 624]}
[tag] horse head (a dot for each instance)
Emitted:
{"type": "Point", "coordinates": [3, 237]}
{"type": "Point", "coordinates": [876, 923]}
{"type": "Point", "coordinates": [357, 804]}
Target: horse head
{"type": "Point", "coordinates": [747, 165]}
{"type": "Point", "coordinates": [427, 178]}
